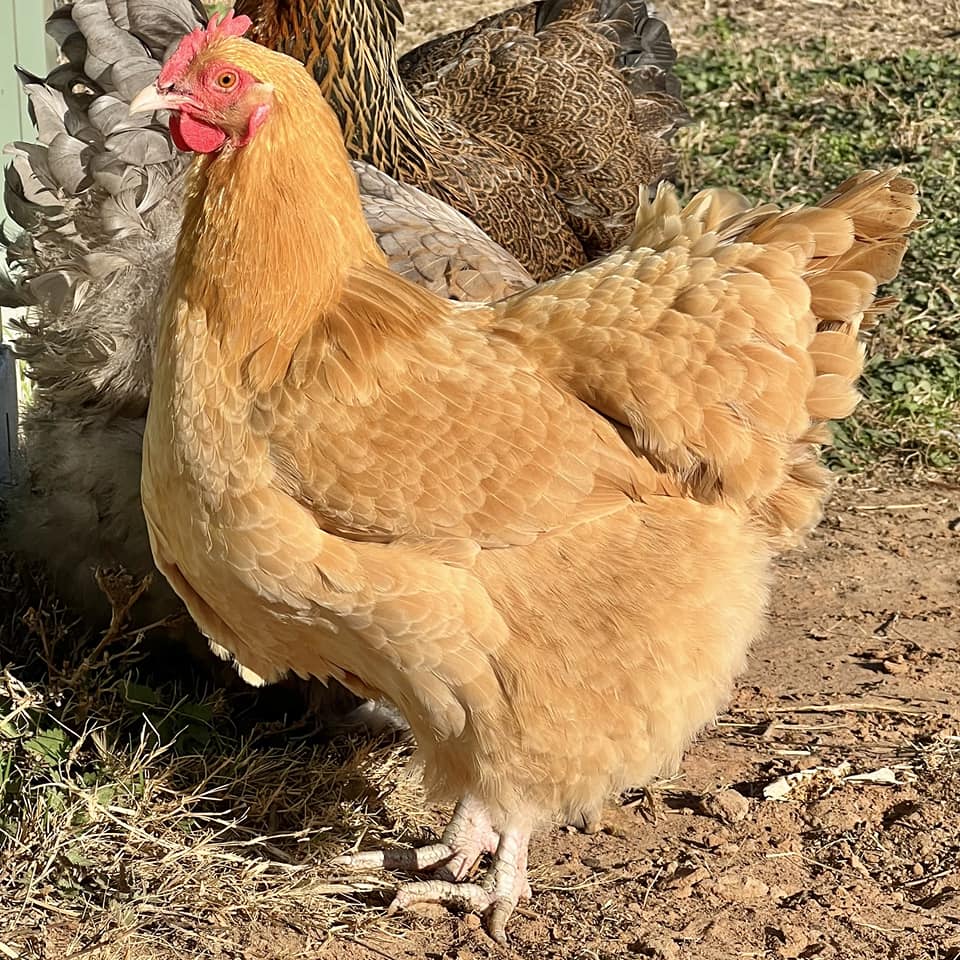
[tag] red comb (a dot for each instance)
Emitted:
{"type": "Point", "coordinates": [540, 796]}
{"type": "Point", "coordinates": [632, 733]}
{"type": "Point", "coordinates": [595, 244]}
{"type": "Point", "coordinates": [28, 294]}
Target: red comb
{"type": "Point", "coordinates": [217, 29]}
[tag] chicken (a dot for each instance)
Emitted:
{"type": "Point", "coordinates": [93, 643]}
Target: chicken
{"type": "Point", "coordinates": [99, 200]}
{"type": "Point", "coordinates": [542, 528]}
{"type": "Point", "coordinates": [538, 123]}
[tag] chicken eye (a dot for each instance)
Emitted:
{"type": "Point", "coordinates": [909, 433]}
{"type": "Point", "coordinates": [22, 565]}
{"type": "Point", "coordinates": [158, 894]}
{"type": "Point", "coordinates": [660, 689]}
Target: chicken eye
{"type": "Point", "coordinates": [227, 80]}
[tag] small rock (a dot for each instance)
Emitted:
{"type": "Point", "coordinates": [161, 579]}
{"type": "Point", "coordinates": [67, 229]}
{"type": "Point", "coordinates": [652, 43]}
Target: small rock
{"type": "Point", "coordinates": [727, 805]}
{"type": "Point", "coordinates": [737, 889]}
{"type": "Point", "coordinates": [683, 884]}
{"type": "Point", "coordinates": [896, 666]}
{"type": "Point", "coordinates": [795, 943]}
{"type": "Point", "coordinates": [715, 839]}
{"type": "Point", "coordinates": [473, 921]}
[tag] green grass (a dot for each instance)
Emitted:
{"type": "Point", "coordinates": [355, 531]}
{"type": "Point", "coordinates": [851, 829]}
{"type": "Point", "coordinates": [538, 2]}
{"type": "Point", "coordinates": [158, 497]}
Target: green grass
{"type": "Point", "coordinates": [791, 123]}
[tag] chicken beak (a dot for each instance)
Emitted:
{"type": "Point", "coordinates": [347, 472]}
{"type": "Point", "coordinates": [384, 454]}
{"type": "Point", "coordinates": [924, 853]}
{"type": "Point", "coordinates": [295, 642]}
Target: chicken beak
{"type": "Point", "coordinates": [150, 99]}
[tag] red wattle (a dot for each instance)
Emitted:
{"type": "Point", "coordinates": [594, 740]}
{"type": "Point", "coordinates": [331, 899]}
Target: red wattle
{"type": "Point", "coordinates": [191, 134]}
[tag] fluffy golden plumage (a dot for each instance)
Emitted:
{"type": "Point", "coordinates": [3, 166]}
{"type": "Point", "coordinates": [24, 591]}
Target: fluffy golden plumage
{"type": "Point", "coordinates": [538, 123]}
{"type": "Point", "coordinates": [541, 528]}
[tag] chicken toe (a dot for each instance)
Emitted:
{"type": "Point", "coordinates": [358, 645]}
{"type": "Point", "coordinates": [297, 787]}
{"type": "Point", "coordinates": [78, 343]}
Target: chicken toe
{"type": "Point", "coordinates": [468, 836]}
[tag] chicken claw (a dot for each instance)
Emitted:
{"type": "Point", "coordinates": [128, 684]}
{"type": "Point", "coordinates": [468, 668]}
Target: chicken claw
{"type": "Point", "coordinates": [496, 897]}
{"type": "Point", "coordinates": [467, 837]}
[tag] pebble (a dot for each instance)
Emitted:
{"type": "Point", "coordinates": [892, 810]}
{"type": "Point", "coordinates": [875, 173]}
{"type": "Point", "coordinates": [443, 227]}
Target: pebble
{"type": "Point", "coordinates": [727, 805]}
{"type": "Point", "coordinates": [736, 889]}
{"type": "Point", "coordinates": [895, 667]}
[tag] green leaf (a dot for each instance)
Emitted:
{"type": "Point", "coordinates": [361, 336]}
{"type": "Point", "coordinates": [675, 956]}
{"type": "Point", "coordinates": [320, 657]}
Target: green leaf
{"type": "Point", "coordinates": [50, 744]}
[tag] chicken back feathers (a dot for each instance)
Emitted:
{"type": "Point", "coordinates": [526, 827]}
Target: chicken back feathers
{"type": "Point", "coordinates": [541, 528]}
{"type": "Point", "coordinates": [724, 336]}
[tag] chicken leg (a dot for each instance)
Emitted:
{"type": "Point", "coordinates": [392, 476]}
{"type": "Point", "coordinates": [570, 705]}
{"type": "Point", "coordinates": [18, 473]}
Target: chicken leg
{"type": "Point", "coordinates": [468, 836]}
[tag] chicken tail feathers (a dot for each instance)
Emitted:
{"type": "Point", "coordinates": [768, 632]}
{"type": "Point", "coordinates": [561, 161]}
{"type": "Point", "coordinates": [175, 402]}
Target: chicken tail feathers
{"type": "Point", "coordinates": [725, 336]}
{"type": "Point", "coordinates": [845, 247]}
{"type": "Point", "coordinates": [859, 237]}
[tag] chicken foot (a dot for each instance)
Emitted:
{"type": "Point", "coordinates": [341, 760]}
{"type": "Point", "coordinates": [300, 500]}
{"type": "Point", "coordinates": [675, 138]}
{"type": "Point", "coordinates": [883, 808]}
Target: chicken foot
{"type": "Point", "coordinates": [468, 835]}
{"type": "Point", "coordinates": [495, 897]}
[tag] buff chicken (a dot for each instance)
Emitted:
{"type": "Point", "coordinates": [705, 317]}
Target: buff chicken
{"type": "Point", "coordinates": [543, 528]}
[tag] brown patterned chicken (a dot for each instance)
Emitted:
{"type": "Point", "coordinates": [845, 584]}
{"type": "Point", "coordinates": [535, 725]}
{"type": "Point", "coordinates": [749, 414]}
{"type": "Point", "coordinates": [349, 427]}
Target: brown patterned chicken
{"type": "Point", "coordinates": [543, 528]}
{"type": "Point", "coordinates": [539, 123]}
